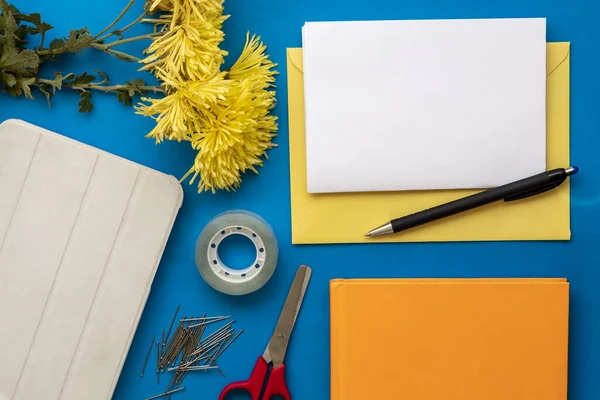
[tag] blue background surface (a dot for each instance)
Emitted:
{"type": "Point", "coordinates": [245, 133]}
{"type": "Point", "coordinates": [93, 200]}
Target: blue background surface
{"type": "Point", "coordinates": [115, 128]}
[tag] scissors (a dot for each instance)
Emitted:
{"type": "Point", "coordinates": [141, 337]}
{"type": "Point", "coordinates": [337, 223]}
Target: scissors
{"type": "Point", "coordinates": [269, 371]}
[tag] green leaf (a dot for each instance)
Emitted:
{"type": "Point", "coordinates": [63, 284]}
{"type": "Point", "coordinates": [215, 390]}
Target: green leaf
{"type": "Point", "coordinates": [78, 40]}
{"type": "Point", "coordinates": [27, 29]}
{"type": "Point", "coordinates": [56, 83]}
{"type": "Point", "coordinates": [20, 63]}
{"type": "Point", "coordinates": [7, 80]}
{"type": "Point", "coordinates": [57, 44]}
{"type": "Point", "coordinates": [47, 90]}
{"type": "Point", "coordinates": [34, 18]}
{"type": "Point", "coordinates": [8, 24]}
{"type": "Point", "coordinates": [20, 34]}
{"type": "Point", "coordinates": [104, 76]}
{"type": "Point", "coordinates": [124, 97]}
{"type": "Point", "coordinates": [22, 87]}
{"type": "Point", "coordinates": [135, 87]}
{"type": "Point", "coordinates": [13, 9]}
{"type": "Point", "coordinates": [83, 79]}
{"type": "Point", "coordinates": [118, 33]}
{"type": "Point", "coordinates": [24, 84]}
{"type": "Point", "coordinates": [44, 27]}
{"type": "Point", "coordinates": [85, 104]}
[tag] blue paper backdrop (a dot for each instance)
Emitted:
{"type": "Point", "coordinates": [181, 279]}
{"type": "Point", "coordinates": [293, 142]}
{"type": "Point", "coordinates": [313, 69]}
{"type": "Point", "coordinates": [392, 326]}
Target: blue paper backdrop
{"type": "Point", "coordinates": [115, 128]}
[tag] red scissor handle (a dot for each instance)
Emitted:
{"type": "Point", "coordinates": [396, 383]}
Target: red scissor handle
{"type": "Point", "coordinates": [275, 385]}
{"type": "Point", "coordinates": [253, 385]}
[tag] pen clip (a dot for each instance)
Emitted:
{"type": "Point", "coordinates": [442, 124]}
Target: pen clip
{"type": "Point", "coordinates": [531, 192]}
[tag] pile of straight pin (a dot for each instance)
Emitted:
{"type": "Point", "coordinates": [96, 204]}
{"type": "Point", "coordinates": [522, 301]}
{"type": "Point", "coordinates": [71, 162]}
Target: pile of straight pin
{"type": "Point", "coordinates": [188, 350]}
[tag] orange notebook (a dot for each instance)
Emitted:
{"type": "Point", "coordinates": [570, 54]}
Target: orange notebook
{"type": "Point", "coordinates": [449, 339]}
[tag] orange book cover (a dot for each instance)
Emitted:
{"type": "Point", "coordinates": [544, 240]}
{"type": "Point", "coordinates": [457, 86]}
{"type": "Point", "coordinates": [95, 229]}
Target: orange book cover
{"type": "Point", "coordinates": [449, 339]}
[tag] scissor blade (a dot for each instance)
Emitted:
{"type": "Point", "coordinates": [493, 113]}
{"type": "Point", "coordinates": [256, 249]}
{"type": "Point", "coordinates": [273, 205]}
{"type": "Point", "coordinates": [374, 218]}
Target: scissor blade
{"type": "Point", "coordinates": [281, 336]}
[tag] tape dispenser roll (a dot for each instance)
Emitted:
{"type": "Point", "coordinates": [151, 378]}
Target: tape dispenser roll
{"type": "Point", "coordinates": [237, 281]}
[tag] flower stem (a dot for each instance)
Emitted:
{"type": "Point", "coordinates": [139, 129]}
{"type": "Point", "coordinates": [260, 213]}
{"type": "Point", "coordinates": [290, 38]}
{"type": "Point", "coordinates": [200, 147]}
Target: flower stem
{"type": "Point", "coordinates": [119, 54]}
{"type": "Point", "coordinates": [43, 39]}
{"type": "Point", "coordinates": [156, 21]}
{"type": "Point", "coordinates": [125, 28]}
{"type": "Point", "coordinates": [103, 88]}
{"type": "Point", "coordinates": [128, 40]}
{"type": "Point", "coordinates": [127, 7]}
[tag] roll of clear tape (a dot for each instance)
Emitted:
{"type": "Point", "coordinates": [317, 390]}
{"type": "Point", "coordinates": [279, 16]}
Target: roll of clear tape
{"type": "Point", "coordinates": [237, 281]}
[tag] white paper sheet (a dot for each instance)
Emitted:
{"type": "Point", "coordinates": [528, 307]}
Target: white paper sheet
{"type": "Point", "coordinates": [81, 235]}
{"type": "Point", "coordinates": [439, 104]}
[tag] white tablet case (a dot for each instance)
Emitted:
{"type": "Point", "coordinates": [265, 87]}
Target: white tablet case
{"type": "Point", "coordinates": [81, 235]}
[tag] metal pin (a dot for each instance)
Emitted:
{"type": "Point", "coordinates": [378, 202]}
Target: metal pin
{"type": "Point", "coordinates": [147, 356]}
{"type": "Point", "coordinates": [210, 322]}
{"type": "Point", "coordinates": [173, 351]}
{"type": "Point", "coordinates": [186, 346]}
{"type": "Point", "coordinates": [219, 369]}
{"type": "Point", "coordinates": [175, 347]}
{"type": "Point", "coordinates": [217, 338]}
{"type": "Point", "coordinates": [208, 349]}
{"type": "Point", "coordinates": [193, 340]}
{"type": "Point", "coordinates": [204, 346]}
{"type": "Point", "coordinates": [191, 368]}
{"type": "Point", "coordinates": [227, 325]}
{"type": "Point", "coordinates": [229, 344]}
{"type": "Point", "coordinates": [199, 333]}
{"type": "Point", "coordinates": [157, 363]}
{"type": "Point", "coordinates": [218, 331]}
{"type": "Point", "coordinates": [171, 384]}
{"type": "Point", "coordinates": [212, 356]}
{"type": "Point", "coordinates": [182, 375]}
{"type": "Point", "coordinates": [216, 319]}
{"type": "Point", "coordinates": [202, 352]}
{"type": "Point", "coordinates": [158, 396]}
{"type": "Point", "coordinates": [171, 326]}
{"type": "Point", "coordinates": [172, 340]}
{"type": "Point", "coordinates": [201, 368]}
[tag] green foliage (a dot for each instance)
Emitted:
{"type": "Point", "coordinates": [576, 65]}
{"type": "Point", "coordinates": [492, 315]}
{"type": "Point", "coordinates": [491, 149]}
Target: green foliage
{"type": "Point", "coordinates": [20, 65]}
{"type": "Point", "coordinates": [85, 104]}
{"type": "Point", "coordinates": [132, 88]}
{"type": "Point", "coordinates": [82, 83]}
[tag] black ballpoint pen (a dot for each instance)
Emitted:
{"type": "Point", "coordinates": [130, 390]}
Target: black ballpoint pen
{"type": "Point", "coordinates": [521, 189]}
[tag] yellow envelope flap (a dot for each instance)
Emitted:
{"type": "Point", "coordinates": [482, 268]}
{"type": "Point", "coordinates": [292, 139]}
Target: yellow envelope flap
{"type": "Point", "coordinates": [555, 58]}
{"type": "Point", "coordinates": [294, 56]}
{"type": "Point", "coordinates": [345, 217]}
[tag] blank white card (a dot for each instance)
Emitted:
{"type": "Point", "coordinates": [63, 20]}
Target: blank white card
{"type": "Point", "coordinates": [411, 105]}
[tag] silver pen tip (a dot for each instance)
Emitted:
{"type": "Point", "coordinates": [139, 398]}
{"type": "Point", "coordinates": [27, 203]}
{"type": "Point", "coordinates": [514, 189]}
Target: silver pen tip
{"type": "Point", "coordinates": [382, 230]}
{"type": "Point", "coordinates": [368, 234]}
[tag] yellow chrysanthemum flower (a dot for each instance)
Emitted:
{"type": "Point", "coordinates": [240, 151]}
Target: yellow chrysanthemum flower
{"type": "Point", "coordinates": [178, 113]}
{"type": "Point", "coordinates": [235, 139]}
{"type": "Point", "coordinates": [225, 115]}
{"type": "Point", "coordinates": [189, 48]}
{"type": "Point", "coordinates": [182, 8]}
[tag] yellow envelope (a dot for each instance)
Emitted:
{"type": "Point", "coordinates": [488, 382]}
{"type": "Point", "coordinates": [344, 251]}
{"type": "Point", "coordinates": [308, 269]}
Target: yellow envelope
{"type": "Point", "coordinates": [346, 217]}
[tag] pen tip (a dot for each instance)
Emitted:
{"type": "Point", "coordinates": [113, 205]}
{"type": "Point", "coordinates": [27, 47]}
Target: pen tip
{"type": "Point", "coordinates": [571, 170]}
{"type": "Point", "coordinates": [368, 234]}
